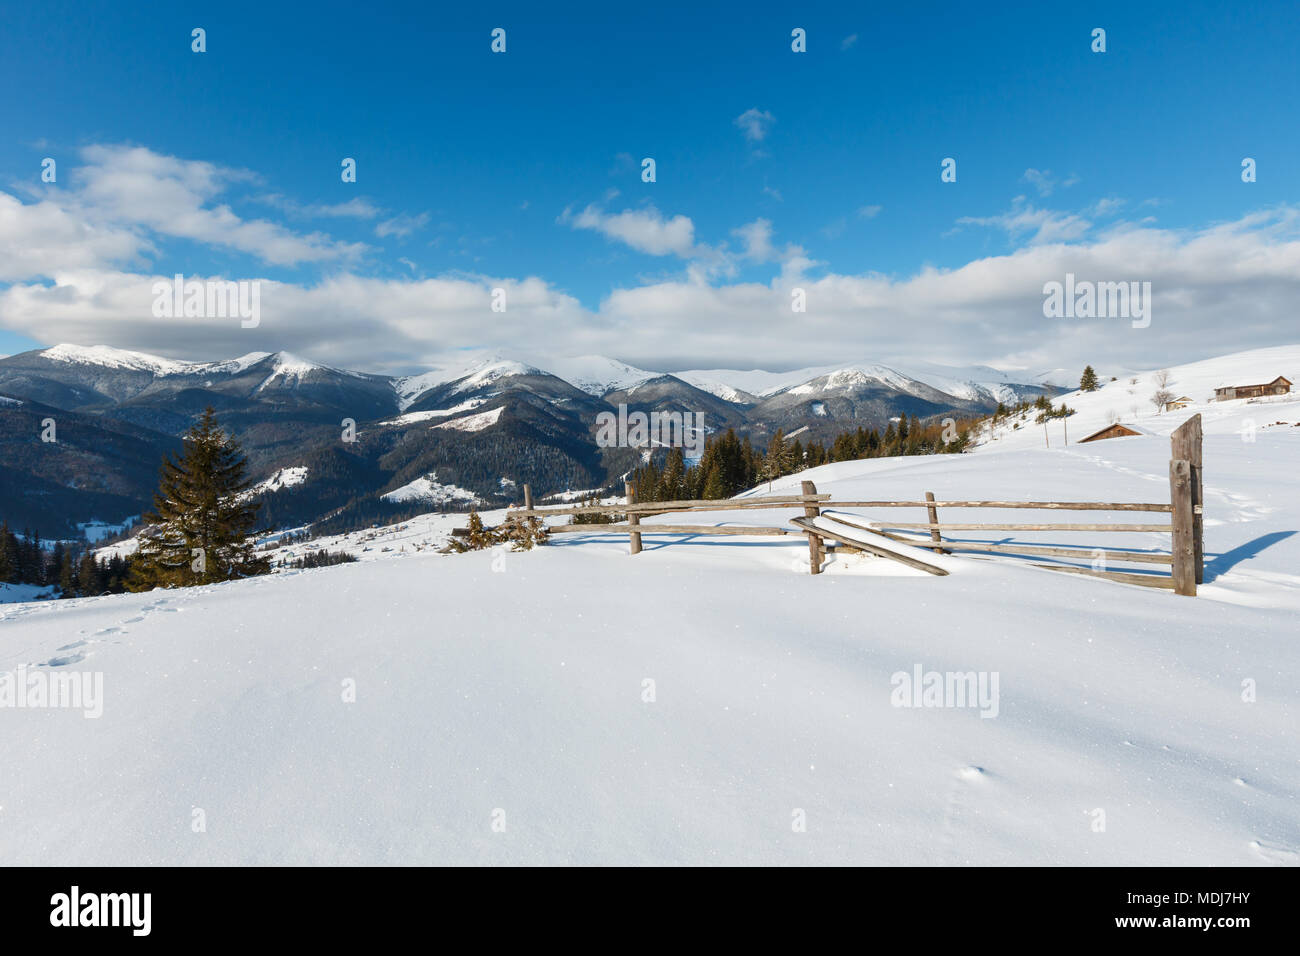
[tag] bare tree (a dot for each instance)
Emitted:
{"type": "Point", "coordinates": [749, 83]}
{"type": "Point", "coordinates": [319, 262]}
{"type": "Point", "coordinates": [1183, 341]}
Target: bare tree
{"type": "Point", "coordinates": [1161, 397]}
{"type": "Point", "coordinates": [1162, 378]}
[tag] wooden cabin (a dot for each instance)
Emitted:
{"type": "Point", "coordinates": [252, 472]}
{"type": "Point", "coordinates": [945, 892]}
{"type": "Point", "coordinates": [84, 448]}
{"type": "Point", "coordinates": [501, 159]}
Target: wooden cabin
{"type": "Point", "coordinates": [1116, 430]}
{"type": "Point", "coordinates": [1279, 386]}
{"type": "Point", "coordinates": [1181, 402]}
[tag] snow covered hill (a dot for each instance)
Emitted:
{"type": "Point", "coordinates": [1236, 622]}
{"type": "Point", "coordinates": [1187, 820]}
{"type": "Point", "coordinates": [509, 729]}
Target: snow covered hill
{"type": "Point", "coordinates": [1127, 400]}
{"type": "Point", "coordinates": [693, 703]}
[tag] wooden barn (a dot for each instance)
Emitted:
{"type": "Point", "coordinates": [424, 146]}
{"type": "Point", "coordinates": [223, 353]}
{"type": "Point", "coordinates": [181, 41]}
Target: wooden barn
{"type": "Point", "coordinates": [1117, 430]}
{"type": "Point", "coordinates": [1279, 386]}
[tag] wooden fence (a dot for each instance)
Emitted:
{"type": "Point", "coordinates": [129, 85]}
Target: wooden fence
{"type": "Point", "coordinates": [1186, 559]}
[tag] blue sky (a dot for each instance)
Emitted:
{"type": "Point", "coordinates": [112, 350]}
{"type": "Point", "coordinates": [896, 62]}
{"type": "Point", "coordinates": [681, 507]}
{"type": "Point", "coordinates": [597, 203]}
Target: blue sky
{"type": "Point", "coordinates": [773, 167]}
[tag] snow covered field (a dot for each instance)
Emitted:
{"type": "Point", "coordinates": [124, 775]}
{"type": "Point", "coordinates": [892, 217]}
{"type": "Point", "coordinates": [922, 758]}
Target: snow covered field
{"type": "Point", "coordinates": [511, 690]}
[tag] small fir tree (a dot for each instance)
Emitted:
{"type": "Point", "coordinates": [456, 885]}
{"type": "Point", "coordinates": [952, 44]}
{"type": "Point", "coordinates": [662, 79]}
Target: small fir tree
{"type": "Point", "coordinates": [199, 529]}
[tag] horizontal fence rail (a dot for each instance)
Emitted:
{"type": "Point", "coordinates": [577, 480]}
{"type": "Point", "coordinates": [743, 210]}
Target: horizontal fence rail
{"type": "Point", "coordinates": [946, 526]}
{"type": "Point", "coordinates": [1039, 505]}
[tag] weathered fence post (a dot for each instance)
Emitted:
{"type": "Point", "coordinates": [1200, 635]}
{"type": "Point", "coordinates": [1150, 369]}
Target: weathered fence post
{"type": "Point", "coordinates": [528, 498]}
{"type": "Point", "coordinates": [810, 510]}
{"type": "Point", "coordinates": [1184, 543]}
{"type": "Point", "coordinates": [634, 546]}
{"type": "Point", "coordinates": [934, 519]}
{"type": "Point", "coordinates": [1185, 444]}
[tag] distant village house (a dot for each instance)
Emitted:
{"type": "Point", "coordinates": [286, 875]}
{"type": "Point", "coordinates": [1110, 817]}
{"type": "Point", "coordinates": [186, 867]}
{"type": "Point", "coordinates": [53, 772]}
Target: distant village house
{"type": "Point", "coordinates": [1115, 430]}
{"type": "Point", "coordinates": [1279, 386]}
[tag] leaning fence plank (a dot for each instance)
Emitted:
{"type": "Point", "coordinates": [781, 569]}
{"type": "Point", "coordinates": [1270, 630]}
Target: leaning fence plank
{"type": "Point", "coordinates": [853, 542]}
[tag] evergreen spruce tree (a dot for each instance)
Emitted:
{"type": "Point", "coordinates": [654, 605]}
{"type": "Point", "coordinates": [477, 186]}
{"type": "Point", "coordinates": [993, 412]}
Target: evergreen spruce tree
{"type": "Point", "coordinates": [8, 555]}
{"type": "Point", "coordinates": [198, 531]}
{"type": "Point", "coordinates": [713, 484]}
{"type": "Point", "coordinates": [777, 460]}
{"type": "Point", "coordinates": [1088, 382]}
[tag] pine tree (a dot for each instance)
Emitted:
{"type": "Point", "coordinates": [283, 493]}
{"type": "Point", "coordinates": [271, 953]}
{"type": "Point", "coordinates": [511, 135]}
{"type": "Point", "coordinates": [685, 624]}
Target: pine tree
{"type": "Point", "coordinates": [8, 555]}
{"type": "Point", "coordinates": [777, 460]}
{"type": "Point", "coordinates": [1088, 382]}
{"type": "Point", "coordinates": [198, 531]}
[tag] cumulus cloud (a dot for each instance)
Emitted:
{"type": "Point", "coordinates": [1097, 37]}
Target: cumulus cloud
{"type": "Point", "coordinates": [1223, 288]}
{"type": "Point", "coordinates": [755, 124]}
{"type": "Point", "coordinates": [645, 229]}
{"type": "Point", "coordinates": [137, 187]}
{"type": "Point", "coordinates": [81, 262]}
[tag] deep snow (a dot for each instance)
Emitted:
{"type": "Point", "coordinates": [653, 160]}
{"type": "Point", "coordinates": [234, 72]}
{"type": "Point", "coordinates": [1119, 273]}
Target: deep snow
{"type": "Point", "coordinates": [516, 682]}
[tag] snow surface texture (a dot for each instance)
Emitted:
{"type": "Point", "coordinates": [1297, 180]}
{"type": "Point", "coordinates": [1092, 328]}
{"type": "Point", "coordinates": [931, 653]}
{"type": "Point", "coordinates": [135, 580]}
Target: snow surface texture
{"type": "Point", "coordinates": [504, 686]}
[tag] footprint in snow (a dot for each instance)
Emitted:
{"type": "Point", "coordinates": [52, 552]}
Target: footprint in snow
{"type": "Point", "coordinates": [64, 661]}
{"type": "Point", "coordinates": [1273, 853]}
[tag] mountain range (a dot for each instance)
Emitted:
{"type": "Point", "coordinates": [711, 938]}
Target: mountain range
{"type": "Point", "coordinates": [363, 446]}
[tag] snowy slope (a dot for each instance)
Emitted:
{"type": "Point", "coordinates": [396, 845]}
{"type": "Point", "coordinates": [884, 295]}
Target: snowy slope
{"type": "Point", "coordinates": [516, 683]}
{"type": "Point", "coordinates": [1128, 401]}
{"type": "Point", "coordinates": [111, 358]}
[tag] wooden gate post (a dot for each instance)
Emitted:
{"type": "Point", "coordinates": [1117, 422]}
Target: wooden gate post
{"type": "Point", "coordinates": [1185, 444]}
{"type": "Point", "coordinates": [528, 498]}
{"type": "Point", "coordinates": [810, 510]}
{"type": "Point", "coordinates": [934, 519]}
{"type": "Point", "coordinates": [1184, 543]}
{"type": "Point", "coordinates": [634, 546]}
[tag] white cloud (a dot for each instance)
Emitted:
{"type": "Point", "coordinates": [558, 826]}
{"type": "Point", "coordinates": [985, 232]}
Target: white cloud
{"type": "Point", "coordinates": [402, 225]}
{"type": "Point", "coordinates": [134, 186]}
{"type": "Point", "coordinates": [869, 212]}
{"type": "Point", "coordinates": [757, 237]}
{"type": "Point", "coordinates": [82, 259]}
{"type": "Point", "coordinates": [45, 239]}
{"type": "Point", "coordinates": [1040, 179]}
{"type": "Point", "coordinates": [358, 208]}
{"type": "Point", "coordinates": [755, 124]}
{"type": "Point", "coordinates": [643, 229]}
{"type": "Point", "coordinates": [1024, 221]}
{"type": "Point", "coordinates": [848, 41]}
{"type": "Point", "coordinates": [1223, 288]}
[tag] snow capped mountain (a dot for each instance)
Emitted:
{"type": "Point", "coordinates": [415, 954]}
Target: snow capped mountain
{"type": "Point", "coordinates": [596, 374]}
{"type": "Point", "coordinates": [493, 371]}
{"type": "Point", "coordinates": [108, 357]}
{"type": "Point", "coordinates": [755, 383]}
{"type": "Point", "coordinates": [427, 488]}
